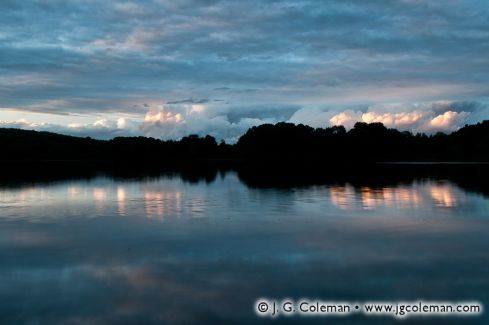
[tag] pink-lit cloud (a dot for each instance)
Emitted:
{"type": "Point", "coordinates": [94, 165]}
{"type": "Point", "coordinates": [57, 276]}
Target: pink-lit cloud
{"type": "Point", "coordinates": [426, 117]}
{"type": "Point", "coordinates": [177, 119]}
{"type": "Point", "coordinates": [449, 120]}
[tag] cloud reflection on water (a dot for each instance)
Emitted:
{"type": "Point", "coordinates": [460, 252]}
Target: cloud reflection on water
{"type": "Point", "coordinates": [438, 194]}
{"type": "Point", "coordinates": [155, 199]}
{"type": "Point", "coordinates": [162, 204]}
{"type": "Point", "coordinates": [161, 264]}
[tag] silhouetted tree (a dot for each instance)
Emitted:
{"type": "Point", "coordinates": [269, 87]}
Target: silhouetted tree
{"type": "Point", "coordinates": [282, 143]}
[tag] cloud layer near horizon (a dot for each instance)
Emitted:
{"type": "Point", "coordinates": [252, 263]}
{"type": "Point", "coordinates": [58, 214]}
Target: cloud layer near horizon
{"type": "Point", "coordinates": [85, 65]}
{"type": "Point", "coordinates": [174, 121]}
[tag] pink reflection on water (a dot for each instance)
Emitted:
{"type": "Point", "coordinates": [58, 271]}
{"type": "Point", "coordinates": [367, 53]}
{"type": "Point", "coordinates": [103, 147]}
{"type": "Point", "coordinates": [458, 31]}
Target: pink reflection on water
{"type": "Point", "coordinates": [443, 195]}
{"type": "Point", "coordinates": [342, 196]}
{"type": "Point", "coordinates": [346, 197]}
{"type": "Point", "coordinates": [438, 194]}
{"type": "Point", "coordinates": [121, 201]}
{"type": "Point", "coordinates": [162, 203]}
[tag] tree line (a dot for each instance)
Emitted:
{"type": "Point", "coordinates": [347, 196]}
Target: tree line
{"type": "Point", "coordinates": [276, 143]}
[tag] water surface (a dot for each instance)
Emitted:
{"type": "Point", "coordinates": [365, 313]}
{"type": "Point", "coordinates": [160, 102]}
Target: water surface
{"type": "Point", "coordinates": [169, 251]}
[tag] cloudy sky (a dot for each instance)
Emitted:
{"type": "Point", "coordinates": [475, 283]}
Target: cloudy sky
{"type": "Point", "coordinates": [166, 68]}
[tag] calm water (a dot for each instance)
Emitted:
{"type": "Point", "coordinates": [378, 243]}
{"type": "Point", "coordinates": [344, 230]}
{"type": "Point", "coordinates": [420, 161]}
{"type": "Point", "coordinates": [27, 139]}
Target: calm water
{"type": "Point", "coordinates": [164, 250]}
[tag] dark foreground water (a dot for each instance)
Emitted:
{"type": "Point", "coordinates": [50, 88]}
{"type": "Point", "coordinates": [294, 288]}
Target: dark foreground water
{"type": "Point", "coordinates": [169, 251]}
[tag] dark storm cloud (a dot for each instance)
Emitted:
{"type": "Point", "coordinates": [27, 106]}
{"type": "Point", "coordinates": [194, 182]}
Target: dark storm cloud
{"type": "Point", "coordinates": [189, 101]}
{"type": "Point", "coordinates": [262, 112]}
{"type": "Point", "coordinates": [92, 57]}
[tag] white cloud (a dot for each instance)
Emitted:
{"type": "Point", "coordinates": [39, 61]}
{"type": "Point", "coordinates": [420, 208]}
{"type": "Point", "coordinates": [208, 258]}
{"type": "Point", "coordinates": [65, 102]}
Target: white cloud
{"type": "Point", "coordinates": [174, 121]}
{"type": "Point", "coordinates": [166, 122]}
{"type": "Point", "coordinates": [424, 117]}
{"type": "Point", "coordinates": [449, 121]}
{"type": "Point", "coordinates": [100, 129]}
{"type": "Point", "coordinates": [400, 120]}
{"type": "Point", "coordinates": [24, 124]}
{"type": "Point", "coordinates": [177, 121]}
{"type": "Point", "coordinates": [347, 118]}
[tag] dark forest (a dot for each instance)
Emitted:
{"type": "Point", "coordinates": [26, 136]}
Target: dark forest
{"type": "Point", "coordinates": [284, 142]}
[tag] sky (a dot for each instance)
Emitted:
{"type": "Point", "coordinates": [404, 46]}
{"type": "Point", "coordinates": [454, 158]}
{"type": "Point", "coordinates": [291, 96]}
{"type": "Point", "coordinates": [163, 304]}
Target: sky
{"type": "Point", "coordinates": [166, 69]}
